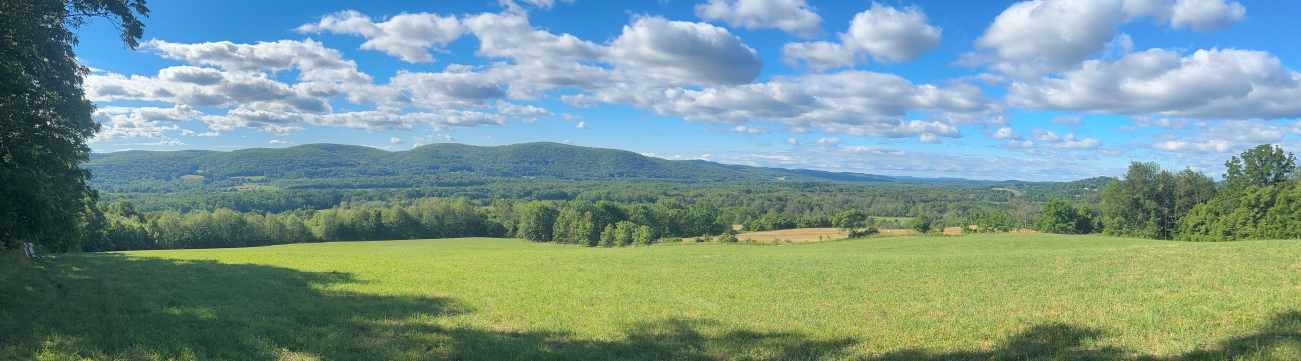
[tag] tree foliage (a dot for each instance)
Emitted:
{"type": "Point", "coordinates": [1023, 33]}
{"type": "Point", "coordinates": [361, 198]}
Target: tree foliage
{"type": "Point", "coordinates": [1060, 217]}
{"type": "Point", "coordinates": [1149, 201]}
{"type": "Point", "coordinates": [45, 118]}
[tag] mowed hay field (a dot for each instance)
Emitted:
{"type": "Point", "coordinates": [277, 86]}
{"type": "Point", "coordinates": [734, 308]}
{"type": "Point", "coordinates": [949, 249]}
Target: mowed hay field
{"type": "Point", "coordinates": [801, 235]}
{"type": "Point", "coordinates": [983, 297]}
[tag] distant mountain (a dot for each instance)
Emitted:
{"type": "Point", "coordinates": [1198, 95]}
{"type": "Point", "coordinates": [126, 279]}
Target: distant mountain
{"type": "Point", "coordinates": [335, 161]}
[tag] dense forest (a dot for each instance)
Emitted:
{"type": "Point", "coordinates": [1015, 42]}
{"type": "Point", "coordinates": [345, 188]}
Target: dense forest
{"type": "Point", "coordinates": [596, 197]}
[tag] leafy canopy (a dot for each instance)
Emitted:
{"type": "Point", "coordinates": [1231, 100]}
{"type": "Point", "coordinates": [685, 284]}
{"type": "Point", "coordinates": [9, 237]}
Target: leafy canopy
{"type": "Point", "coordinates": [45, 118]}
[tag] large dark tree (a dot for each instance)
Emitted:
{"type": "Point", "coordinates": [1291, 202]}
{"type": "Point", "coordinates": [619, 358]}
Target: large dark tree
{"type": "Point", "coordinates": [45, 118]}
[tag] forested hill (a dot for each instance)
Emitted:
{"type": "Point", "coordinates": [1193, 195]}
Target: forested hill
{"type": "Point", "coordinates": [348, 162]}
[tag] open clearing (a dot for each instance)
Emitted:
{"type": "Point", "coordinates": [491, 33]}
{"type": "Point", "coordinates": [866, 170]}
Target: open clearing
{"type": "Point", "coordinates": [1031, 296]}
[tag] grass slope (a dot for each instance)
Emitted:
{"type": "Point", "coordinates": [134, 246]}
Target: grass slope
{"type": "Point", "coordinates": [1037, 297]}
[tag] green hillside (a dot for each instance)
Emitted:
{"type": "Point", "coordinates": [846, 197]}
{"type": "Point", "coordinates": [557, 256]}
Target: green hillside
{"type": "Point", "coordinates": [329, 165]}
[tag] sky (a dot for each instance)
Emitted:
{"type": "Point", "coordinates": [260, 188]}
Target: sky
{"type": "Point", "coordinates": [1033, 90]}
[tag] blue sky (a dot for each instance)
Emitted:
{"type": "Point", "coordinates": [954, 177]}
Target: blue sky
{"type": "Point", "coordinates": [1033, 90]}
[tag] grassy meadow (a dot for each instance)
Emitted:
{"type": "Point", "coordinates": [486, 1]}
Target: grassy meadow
{"type": "Point", "coordinates": [984, 297]}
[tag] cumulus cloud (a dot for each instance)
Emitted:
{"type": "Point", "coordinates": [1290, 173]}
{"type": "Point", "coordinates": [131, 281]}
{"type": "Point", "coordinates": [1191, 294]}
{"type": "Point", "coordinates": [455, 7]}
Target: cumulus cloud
{"type": "Point", "coordinates": [446, 89]}
{"type": "Point", "coordinates": [280, 142]}
{"type": "Point", "coordinates": [314, 61]}
{"type": "Point", "coordinates": [406, 36]}
{"type": "Point", "coordinates": [886, 33]}
{"type": "Point", "coordinates": [582, 125]}
{"type": "Point", "coordinates": [143, 122]}
{"type": "Point", "coordinates": [697, 71]}
{"type": "Point", "coordinates": [1206, 15]}
{"type": "Point", "coordinates": [1069, 141]}
{"type": "Point", "coordinates": [1208, 84]}
{"type": "Point", "coordinates": [395, 140]}
{"type": "Point", "coordinates": [681, 53]}
{"type": "Point", "coordinates": [1032, 37]}
{"type": "Point", "coordinates": [793, 16]}
{"type": "Point", "coordinates": [792, 141]}
{"type": "Point", "coordinates": [848, 102]}
{"type": "Point", "coordinates": [890, 34]}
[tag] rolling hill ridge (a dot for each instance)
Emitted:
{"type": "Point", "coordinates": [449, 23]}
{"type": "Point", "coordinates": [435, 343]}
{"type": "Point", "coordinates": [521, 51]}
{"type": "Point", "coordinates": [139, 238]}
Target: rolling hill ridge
{"type": "Point", "coordinates": [528, 160]}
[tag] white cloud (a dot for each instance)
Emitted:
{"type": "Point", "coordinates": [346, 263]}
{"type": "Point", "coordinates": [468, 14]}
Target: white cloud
{"type": "Point", "coordinates": [1209, 84]}
{"type": "Point", "coordinates": [446, 89]}
{"type": "Point", "coordinates": [793, 16]}
{"type": "Point", "coordinates": [208, 134]}
{"type": "Point", "coordinates": [395, 140]}
{"type": "Point", "coordinates": [511, 36]}
{"type": "Point", "coordinates": [848, 102]}
{"type": "Point", "coordinates": [682, 53]}
{"type": "Point", "coordinates": [829, 141]}
{"type": "Point", "coordinates": [1184, 146]}
{"type": "Point", "coordinates": [1037, 36]}
{"type": "Point", "coordinates": [406, 36]}
{"type": "Point", "coordinates": [819, 55]}
{"type": "Point", "coordinates": [1045, 135]}
{"type": "Point", "coordinates": [314, 61]}
{"type": "Point", "coordinates": [280, 142]}
{"type": "Point", "coordinates": [1004, 133]}
{"type": "Point", "coordinates": [1071, 142]}
{"type": "Point", "coordinates": [144, 122]}
{"type": "Point", "coordinates": [749, 130]}
{"type": "Point", "coordinates": [891, 35]}
{"type": "Point", "coordinates": [436, 138]}
{"type": "Point", "coordinates": [1152, 122]}
{"type": "Point", "coordinates": [216, 89]}
{"type": "Point", "coordinates": [1206, 15]}
{"type": "Point", "coordinates": [792, 141]}
{"type": "Point", "coordinates": [1050, 139]}
{"type": "Point", "coordinates": [520, 110]}
{"type": "Point", "coordinates": [885, 33]}
{"type": "Point", "coordinates": [582, 125]}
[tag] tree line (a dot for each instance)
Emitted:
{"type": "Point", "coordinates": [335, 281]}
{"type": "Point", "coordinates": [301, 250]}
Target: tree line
{"type": "Point", "coordinates": [119, 226]}
{"type": "Point", "coordinates": [1259, 197]}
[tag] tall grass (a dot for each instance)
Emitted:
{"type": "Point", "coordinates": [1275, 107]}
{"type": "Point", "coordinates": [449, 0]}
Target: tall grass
{"type": "Point", "coordinates": [1030, 296]}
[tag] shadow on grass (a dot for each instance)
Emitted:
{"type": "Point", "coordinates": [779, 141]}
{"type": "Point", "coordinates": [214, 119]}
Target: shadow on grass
{"type": "Point", "coordinates": [1279, 340]}
{"type": "Point", "coordinates": [116, 307]}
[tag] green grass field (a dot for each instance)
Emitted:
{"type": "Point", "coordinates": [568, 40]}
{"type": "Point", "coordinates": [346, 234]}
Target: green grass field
{"type": "Point", "coordinates": [985, 297]}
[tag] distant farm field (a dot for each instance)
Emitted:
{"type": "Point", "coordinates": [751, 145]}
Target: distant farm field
{"type": "Point", "coordinates": [1015, 297]}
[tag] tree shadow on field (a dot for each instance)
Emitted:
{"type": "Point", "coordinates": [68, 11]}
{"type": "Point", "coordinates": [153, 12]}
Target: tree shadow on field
{"type": "Point", "coordinates": [1280, 339]}
{"type": "Point", "coordinates": [111, 306]}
